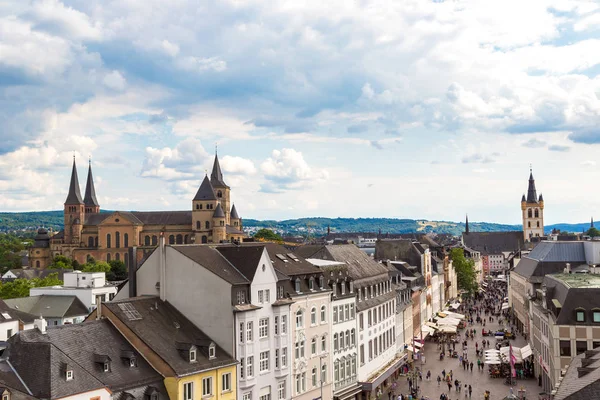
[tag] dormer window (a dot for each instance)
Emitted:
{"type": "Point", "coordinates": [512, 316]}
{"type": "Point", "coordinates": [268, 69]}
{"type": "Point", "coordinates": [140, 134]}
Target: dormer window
{"type": "Point", "coordinates": [351, 287]}
{"type": "Point", "coordinates": [69, 375]}
{"type": "Point", "coordinates": [321, 282]}
{"type": "Point", "coordinates": [311, 284]}
{"type": "Point", "coordinates": [212, 351]}
{"type": "Point", "coordinates": [6, 395]}
{"type": "Point", "coordinates": [297, 284]}
{"type": "Point", "coordinates": [132, 362]}
{"type": "Point", "coordinates": [343, 288]}
{"type": "Point", "coordinates": [106, 367]}
{"type": "Point", "coordinates": [193, 355]}
{"type": "Point", "coordinates": [580, 315]}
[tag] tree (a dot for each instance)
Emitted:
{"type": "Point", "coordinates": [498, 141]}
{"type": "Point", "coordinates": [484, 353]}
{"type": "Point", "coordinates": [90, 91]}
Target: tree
{"type": "Point", "coordinates": [593, 232]}
{"type": "Point", "coordinates": [61, 262]}
{"type": "Point", "coordinates": [118, 271]}
{"type": "Point", "coordinates": [95, 266]}
{"type": "Point", "coordinates": [20, 287]}
{"type": "Point", "coordinates": [465, 271]}
{"type": "Point", "coordinates": [268, 235]}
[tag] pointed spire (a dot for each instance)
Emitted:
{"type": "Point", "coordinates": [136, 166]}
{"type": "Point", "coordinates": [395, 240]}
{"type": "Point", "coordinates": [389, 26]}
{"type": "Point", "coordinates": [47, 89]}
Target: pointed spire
{"type": "Point", "coordinates": [234, 214]}
{"type": "Point", "coordinates": [206, 191]}
{"type": "Point", "coordinates": [467, 223]}
{"type": "Point", "coordinates": [523, 198]}
{"type": "Point", "coordinates": [219, 213]}
{"type": "Point", "coordinates": [90, 191]}
{"type": "Point", "coordinates": [74, 196]}
{"type": "Point", "coordinates": [216, 176]}
{"type": "Point", "coordinates": [531, 192]}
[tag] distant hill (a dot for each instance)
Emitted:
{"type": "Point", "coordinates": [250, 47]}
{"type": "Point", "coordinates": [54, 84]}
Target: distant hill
{"type": "Point", "coordinates": [26, 221]}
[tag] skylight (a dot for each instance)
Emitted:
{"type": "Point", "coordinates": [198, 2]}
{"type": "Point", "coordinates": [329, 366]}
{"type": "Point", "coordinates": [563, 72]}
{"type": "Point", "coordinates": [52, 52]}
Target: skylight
{"type": "Point", "coordinates": [293, 256]}
{"type": "Point", "coordinates": [130, 312]}
{"type": "Point", "coordinates": [6, 315]}
{"type": "Point", "coordinates": [282, 257]}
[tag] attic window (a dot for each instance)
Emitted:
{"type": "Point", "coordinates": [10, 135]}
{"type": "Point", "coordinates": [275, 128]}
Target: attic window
{"type": "Point", "coordinates": [69, 375]}
{"type": "Point", "coordinates": [6, 315]}
{"type": "Point", "coordinates": [321, 282]}
{"type": "Point", "coordinates": [192, 355]}
{"type": "Point", "coordinates": [132, 362]}
{"type": "Point", "coordinates": [297, 284]}
{"type": "Point", "coordinates": [6, 395]}
{"type": "Point", "coordinates": [311, 284]}
{"type": "Point", "coordinates": [106, 366]}
{"type": "Point", "coordinates": [212, 351]}
{"type": "Point", "coordinates": [281, 257]}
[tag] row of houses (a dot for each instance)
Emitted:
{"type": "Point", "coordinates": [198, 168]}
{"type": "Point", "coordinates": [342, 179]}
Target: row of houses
{"type": "Point", "coordinates": [252, 321]}
{"type": "Point", "coordinates": [554, 295]}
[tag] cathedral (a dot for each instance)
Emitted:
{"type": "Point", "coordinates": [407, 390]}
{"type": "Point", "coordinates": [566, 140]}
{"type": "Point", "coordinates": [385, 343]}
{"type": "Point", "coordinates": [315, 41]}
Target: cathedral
{"type": "Point", "coordinates": [109, 236]}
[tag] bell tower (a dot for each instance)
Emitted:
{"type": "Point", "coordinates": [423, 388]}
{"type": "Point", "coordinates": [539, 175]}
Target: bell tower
{"type": "Point", "coordinates": [222, 191]}
{"type": "Point", "coordinates": [74, 210]}
{"type": "Point", "coordinates": [532, 208]}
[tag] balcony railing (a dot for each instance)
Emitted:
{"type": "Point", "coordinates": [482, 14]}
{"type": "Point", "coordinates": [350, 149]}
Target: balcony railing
{"type": "Point", "coordinates": [345, 382]}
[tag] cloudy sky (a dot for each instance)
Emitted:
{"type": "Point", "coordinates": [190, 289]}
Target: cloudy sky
{"type": "Point", "coordinates": [412, 109]}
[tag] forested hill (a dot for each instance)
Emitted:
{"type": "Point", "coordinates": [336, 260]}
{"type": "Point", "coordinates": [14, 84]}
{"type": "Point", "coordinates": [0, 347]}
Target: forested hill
{"type": "Point", "coordinates": [54, 219]}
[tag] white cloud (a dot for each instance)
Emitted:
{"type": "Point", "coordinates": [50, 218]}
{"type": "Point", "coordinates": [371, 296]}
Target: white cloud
{"type": "Point", "coordinates": [115, 81]}
{"type": "Point", "coordinates": [76, 24]}
{"type": "Point", "coordinates": [199, 64]}
{"type": "Point", "coordinates": [237, 165]}
{"type": "Point", "coordinates": [184, 162]}
{"type": "Point", "coordinates": [286, 169]}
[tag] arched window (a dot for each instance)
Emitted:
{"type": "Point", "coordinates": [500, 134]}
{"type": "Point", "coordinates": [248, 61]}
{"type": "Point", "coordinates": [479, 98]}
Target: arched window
{"type": "Point", "coordinates": [537, 213]}
{"type": "Point", "coordinates": [126, 240]}
{"type": "Point", "coordinates": [147, 240]}
{"type": "Point", "coordinates": [88, 258]}
{"type": "Point", "coordinates": [323, 314]}
{"type": "Point", "coordinates": [118, 256]}
{"type": "Point", "coordinates": [117, 239]}
{"type": "Point", "coordinates": [197, 206]}
{"type": "Point", "coordinates": [219, 194]}
{"type": "Point", "coordinates": [171, 239]}
{"type": "Point", "coordinates": [179, 239]}
{"type": "Point", "coordinates": [154, 240]}
{"type": "Point", "coordinates": [323, 373]}
{"type": "Point", "coordinates": [108, 257]}
{"type": "Point", "coordinates": [198, 225]}
{"type": "Point", "coordinates": [336, 370]}
{"type": "Point", "coordinates": [204, 239]}
{"type": "Point", "coordinates": [91, 241]}
{"type": "Point", "coordinates": [347, 338]}
{"type": "Point", "coordinates": [313, 316]}
{"type": "Point", "coordinates": [313, 346]}
{"type": "Point", "coordinates": [37, 264]}
{"type": "Point", "coordinates": [529, 213]}
{"type": "Point", "coordinates": [299, 319]}
{"type": "Point", "coordinates": [186, 239]}
{"type": "Point", "coordinates": [108, 244]}
{"type": "Point", "coordinates": [342, 341]}
{"type": "Point", "coordinates": [323, 344]}
{"type": "Point", "coordinates": [221, 223]}
{"type": "Point", "coordinates": [206, 225]}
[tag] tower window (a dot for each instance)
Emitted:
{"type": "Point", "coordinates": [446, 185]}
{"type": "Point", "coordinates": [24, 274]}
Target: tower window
{"type": "Point", "coordinates": [219, 194]}
{"type": "Point", "coordinates": [154, 240]}
{"type": "Point", "coordinates": [147, 240]}
{"type": "Point", "coordinates": [538, 224]}
{"type": "Point", "coordinates": [529, 213]}
{"type": "Point", "coordinates": [207, 225]}
{"type": "Point", "coordinates": [537, 213]}
{"type": "Point", "coordinates": [198, 225]}
{"type": "Point", "coordinates": [529, 224]}
{"type": "Point", "coordinates": [108, 241]}
{"type": "Point", "coordinates": [171, 239]}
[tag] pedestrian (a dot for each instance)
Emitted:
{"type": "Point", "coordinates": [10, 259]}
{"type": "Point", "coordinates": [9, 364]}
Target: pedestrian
{"type": "Point", "coordinates": [444, 373]}
{"type": "Point", "coordinates": [449, 386]}
{"type": "Point", "coordinates": [470, 390]}
{"type": "Point", "coordinates": [428, 375]}
{"type": "Point", "coordinates": [389, 395]}
{"type": "Point", "coordinates": [471, 365]}
{"type": "Point", "coordinates": [456, 385]}
{"type": "Point", "coordinates": [450, 374]}
{"type": "Point", "coordinates": [460, 359]}
{"type": "Point", "coordinates": [439, 380]}
{"type": "Point", "coordinates": [410, 383]}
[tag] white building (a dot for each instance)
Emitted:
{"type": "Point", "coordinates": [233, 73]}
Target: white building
{"type": "Point", "coordinates": [86, 286]}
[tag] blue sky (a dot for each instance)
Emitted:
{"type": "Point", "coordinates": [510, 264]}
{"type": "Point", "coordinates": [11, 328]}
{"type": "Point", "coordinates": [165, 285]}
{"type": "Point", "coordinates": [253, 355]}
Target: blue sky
{"type": "Point", "coordinates": [411, 109]}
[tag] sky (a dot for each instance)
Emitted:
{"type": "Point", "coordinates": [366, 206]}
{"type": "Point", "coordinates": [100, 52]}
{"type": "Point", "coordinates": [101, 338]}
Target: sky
{"type": "Point", "coordinates": [403, 109]}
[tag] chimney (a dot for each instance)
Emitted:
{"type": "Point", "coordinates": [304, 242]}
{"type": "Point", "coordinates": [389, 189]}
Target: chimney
{"type": "Point", "coordinates": [163, 267]}
{"type": "Point", "coordinates": [40, 324]}
{"type": "Point", "coordinates": [132, 273]}
{"type": "Point", "coordinates": [98, 306]}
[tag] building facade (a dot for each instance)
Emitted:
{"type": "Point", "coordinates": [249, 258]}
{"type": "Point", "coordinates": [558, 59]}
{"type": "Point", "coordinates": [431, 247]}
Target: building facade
{"type": "Point", "coordinates": [532, 208]}
{"type": "Point", "coordinates": [89, 233]}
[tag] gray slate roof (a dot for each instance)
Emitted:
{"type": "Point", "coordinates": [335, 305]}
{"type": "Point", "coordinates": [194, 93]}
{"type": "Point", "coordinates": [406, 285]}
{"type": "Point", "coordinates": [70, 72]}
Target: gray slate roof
{"type": "Point", "coordinates": [244, 258]}
{"type": "Point", "coordinates": [10, 380]}
{"type": "Point", "coordinates": [31, 273]}
{"type": "Point", "coordinates": [74, 195]}
{"type": "Point", "coordinates": [234, 213]}
{"type": "Point", "coordinates": [550, 257]}
{"type": "Point", "coordinates": [163, 329]}
{"type": "Point", "coordinates": [205, 191]}
{"type": "Point", "coordinates": [494, 242]}
{"type": "Point", "coordinates": [571, 298]}
{"type": "Point", "coordinates": [219, 213]}
{"type": "Point", "coordinates": [49, 306]}
{"type": "Point", "coordinates": [216, 176]}
{"type": "Point", "coordinates": [531, 192]}
{"type": "Point", "coordinates": [90, 191]}
{"type": "Point", "coordinates": [581, 382]}
{"type": "Point", "coordinates": [212, 260]}
{"type": "Point", "coordinates": [146, 217]}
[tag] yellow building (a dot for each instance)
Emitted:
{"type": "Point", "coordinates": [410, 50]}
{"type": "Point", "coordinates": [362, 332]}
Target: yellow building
{"type": "Point", "coordinates": [87, 232]}
{"type": "Point", "coordinates": [193, 366]}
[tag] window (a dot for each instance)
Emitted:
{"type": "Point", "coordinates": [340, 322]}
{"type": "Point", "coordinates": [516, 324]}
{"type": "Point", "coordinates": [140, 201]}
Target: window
{"type": "Point", "coordinates": [242, 371]}
{"type": "Point", "coordinates": [249, 367]}
{"type": "Point", "coordinates": [125, 240]}
{"type": "Point", "coordinates": [260, 297]}
{"type": "Point", "coordinates": [264, 361]}
{"type": "Point", "coordinates": [207, 389]}
{"type": "Point", "coordinates": [351, 287]}
{"type": "Point", "coordinates": [226, 382]}
{"type": "Point", "coordinates": [117, 239]}
{"type": "Point", "coordinates": [580, 346]}
{"type": "Point", "coordinates": [299, 319]}
{"type": "Point", "coordinates": [323, 373]}
{"type": "Point", "coordinates": [343, 288]}
{"type": "Point", "coordinates": [596, 315]}
{"type": "Point", "coordinates": [529, 213]}
{"type": "Point", "coordinates": [362, 354]}
{"type": "Point", "coordinates": [247, 396]}
{"type": "Point", "coordinates": [297, 285]}
{"type": "Point", "coordinates": [298, 384]}
{"type": "Point", "coordinates": [206, 225]}
{"type": "Point", "coordinates": [565, 348]}
{"type": "Point", "coordinates": [267, 295]}
{"type": "Point", "coordinates": [188, 391]}
{"type": "Point", "coordinates": [313, 346]}
{"type": "Point", "coordinates": [69, 375]}
{"type": "Point", "coordinates": [284, 357]}
{"type": "Point", "coordinates": [283, 324]}
{"type": "Point", "coordinates": [352, 312]}
{"type": "Point", "coordinates": [249, 331]}
{"type": "Point", "coordinates": [171, 239]}
{"type": "Point", "coordinates": [361, 323]}
{"type": "Point", "coordinates": [323, 314]}
{"type": "Point", "coordinates": [211, 351]}
{"type": "Point", "coordinates": [276, 325]}
{"type": "Point", "coordinates": [342, 342]}
{"type": "Point", "coordinates": [352, 337]}
{"type": "Point", "coordinates": [335, 315]}
{"type": "Point", "coordinates": [241, 297]}
{"type": "Point", "coordinates": [198, 225]}
{"type": "Point", "coordinates": [311, 284]}
{"type": "Point", "coordinates": [335, 342]}
{"type": "Point", "coordinates": [263, 328]}
{"type": "Point", "coordinates": [280, 292]}
{"type": "Point", "coordinates": [537, 213]}
{"type": "Point", "coordinates": [9, 333]}
{"type": "Point", "coordinates": [192, 355]}
{"type": "Point", "coordinates": [321, 282]}
{"type": "Point", "coordinates": [323, 344]}
{"type": "Point", "coordinates": [580, 315]}
{"type": "Point", "coordinates": [108, 241]}
{"type": "Point", "coordinates": [369, 319]}
{"type": "Point", "coordinates": [276, 358]}
{"type": "Point", "coordinates": [313, 316]}
{"type": "Point", "coordinates": [154, 240]}
{"type": "Point", "coordinates": [347, 312]}
{"type": "Point", "coordinates": [281, 390]}
{"type": "Point", "coordinates": [314, 376]}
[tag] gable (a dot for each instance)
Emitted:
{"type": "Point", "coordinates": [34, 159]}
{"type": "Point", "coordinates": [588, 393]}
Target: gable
{"type": "Point", "coordinates": [268, 275]}
{"type": "Point", "coordinates": [120, 219]}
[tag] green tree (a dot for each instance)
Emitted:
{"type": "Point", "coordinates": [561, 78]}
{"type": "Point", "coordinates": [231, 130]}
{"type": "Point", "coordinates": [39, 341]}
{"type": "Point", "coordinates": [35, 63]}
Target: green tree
{"type": "Point", "coordinates": [118, 271]}
{"type": "Point", "coordinates": [466, 277]}
{"type": "Point", "coordinates": [20, 287]}
{"type": "Point", "coordinates": [61, 262]}
{"type": "Point", "coordinates": [95, 266]}
{"type": "Point", "coordinates": [593, 232]}
{"type": "Point", "coordinates": [268, 235]}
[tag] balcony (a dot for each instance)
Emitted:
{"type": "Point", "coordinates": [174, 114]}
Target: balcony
{"type": "Point", "coordinates": [345, 382]}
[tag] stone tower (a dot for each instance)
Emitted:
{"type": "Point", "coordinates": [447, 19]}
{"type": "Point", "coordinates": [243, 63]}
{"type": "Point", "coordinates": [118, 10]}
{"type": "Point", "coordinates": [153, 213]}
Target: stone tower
{"type": "Point", "coordinates": [219, 228]}
{"type": "Point", "coordinates": [203, 208]}
{"type": "Point", "coordinates": [74, 211]}
{"type": "Point", "coordinates": [532, 208]}
{"type": "Point", "coordinates": [222, 191]}
{"type": "Point", "coordinates": [89, 200]}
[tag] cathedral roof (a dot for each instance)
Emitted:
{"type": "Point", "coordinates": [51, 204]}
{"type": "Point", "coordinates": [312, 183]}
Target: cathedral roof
{"type": "Point", "coordinates": [523, 198]}
{"type": "Point", "coordinates": [90, 192]}
{"type": "Point", "coordinates": [216, 176]}
{"type": "Point", "coordinates": [219, 212]}
{"type": "Point", "coordinates": [206, 191]}
{"type": "Point", "coordinates": [234, 214]}
{"type": "Point", "coordinates": [541, 197]}
{"type": "Point", "coordinates": [531, 192]}
{"type": "Point", "coordinates": [74, 196]}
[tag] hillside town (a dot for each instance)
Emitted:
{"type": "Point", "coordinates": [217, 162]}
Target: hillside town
{"type": "Point", "coordinates": [206, 311]}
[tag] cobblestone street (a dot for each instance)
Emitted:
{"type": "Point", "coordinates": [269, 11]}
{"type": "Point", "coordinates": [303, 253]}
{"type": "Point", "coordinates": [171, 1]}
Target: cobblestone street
{"type": "Point", "coordinates": [479, 380]}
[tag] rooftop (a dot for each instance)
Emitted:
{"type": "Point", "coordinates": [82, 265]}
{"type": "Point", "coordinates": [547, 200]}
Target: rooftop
{"type": "Point", "coordinates": [579, 281]}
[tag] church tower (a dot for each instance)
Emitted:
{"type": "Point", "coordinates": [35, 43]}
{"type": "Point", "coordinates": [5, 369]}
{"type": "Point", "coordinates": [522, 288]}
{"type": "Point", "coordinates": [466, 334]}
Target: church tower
{"type": "Point", "coordinates": [203, 208]}
{"type": "Point", "coordinates": [74, 211]}
{"type": "Point", "coordinates": [222, 191]}
{"type": "Point", "coordinates": [89, 200]}
{"type": "Point", "coordinates": [532, 208]}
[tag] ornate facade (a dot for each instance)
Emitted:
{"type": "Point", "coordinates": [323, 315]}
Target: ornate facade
{"type": "Point", "coordinates": [109, 236]}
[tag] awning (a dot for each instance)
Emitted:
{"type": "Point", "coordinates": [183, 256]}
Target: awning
{"type": "Point", "coordinates": [456, 315]}
{"type": "Point", "coordinates": [419, 345]}
{"type": "Point", "coordinates": [424, 332]}
{"type": "Point", "coordinates": [377, 379]}
{"type": "Point", "coordinates": [505, 307]}
{"type": "Point", "coordinates": [455, 305]}
{"type": "Point", "coordinates": [447, 329]}
{"type": "Point", "coordinates": [431, 324]}
{"type": "Point", "coordinates": [492, 362]}
{"type": "Point", "coordinates": [526, 352]}
{"type": "Point", "coordinates": [412, 349]}
{"type": "Point", "coordinates": [427, 329]}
